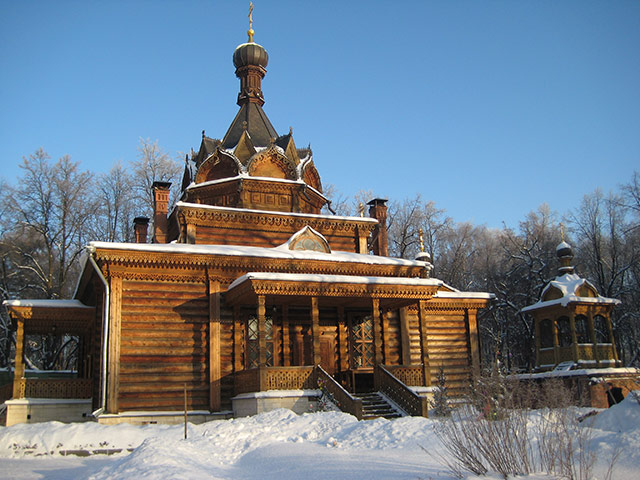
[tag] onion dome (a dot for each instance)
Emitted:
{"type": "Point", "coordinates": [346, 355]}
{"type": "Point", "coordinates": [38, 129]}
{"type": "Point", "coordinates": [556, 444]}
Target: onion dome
{"type": "Point", "coordinates": [565, 255]}
{"type": "Point", "coordinates": [250, 54]}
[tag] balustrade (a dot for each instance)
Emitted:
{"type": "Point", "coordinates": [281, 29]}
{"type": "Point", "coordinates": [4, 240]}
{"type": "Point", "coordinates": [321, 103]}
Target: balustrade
{"type": "Point", "coordinates": [55, 388]}
{"type": "Point", "coordinates": [400, 393]}
{"type": "Point", "coordinates": [344, 400]}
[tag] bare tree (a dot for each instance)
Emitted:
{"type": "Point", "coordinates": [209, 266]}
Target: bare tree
{"type": "Point", "coordinates": [114, 218]}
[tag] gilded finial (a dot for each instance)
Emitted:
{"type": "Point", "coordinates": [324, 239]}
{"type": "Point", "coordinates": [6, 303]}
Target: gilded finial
{"type": "Point", "coordinates": [250, 32]}
{"type": "Point", "coordinates": [420, 233]}
{"type": "Point", "coordinates": [561, 232]}
{"type": "Point", "coordinates": [361, 208]}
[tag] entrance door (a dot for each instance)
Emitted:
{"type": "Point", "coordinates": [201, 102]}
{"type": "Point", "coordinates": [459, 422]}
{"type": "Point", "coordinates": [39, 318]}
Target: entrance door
{"type": "Point", "coordinates": [361, 341]}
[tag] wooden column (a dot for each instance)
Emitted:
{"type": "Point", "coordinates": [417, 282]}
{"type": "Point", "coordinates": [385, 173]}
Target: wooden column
{"type": "Point", "coordinates": [215, 369]}
{"type": "Point", "coordinates": [405, 337]}
{"type": "Point", "coordinates": [474, 348]}
{"type": "Point", "coordinates": [343, 341]}
{"type": "Point", "coordinates": [377, 331]}
{"type": "Point", "coordinates": [18, 371]}
{"type": "Point", "coordinates": [315, 331]}
{"type": "Point", "coordinates": [592, 335]}
{"type": "Point", "coordinates": [286, 342]}
{"type": "Point", "coordinates": [574, 336]}
{"type": "Point", "coordinates": [536, 327]}
{"type": "Point", "coordinates": [363, 241]}
{"type": "Point", "coordinates": [556, 343]}
{"type": "Point", "coordinates": [262, 332]}
{"type": "Point", "coordinates": [385, 337]}
{"type": "Point", "coordinates": [613, 340]}
{"type": "Point", "coordinates": [238, 343]}
{"type": "Point", "coordinates": [191, 233]}
{"type": "Point", "coordinates": [424, 343]}
{"type": "Point", "coordinates": [113, 369]}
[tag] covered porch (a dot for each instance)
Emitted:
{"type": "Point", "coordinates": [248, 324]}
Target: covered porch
{"type": "Point", "coordinates": [59, 394]}
{"type": "Point", "coordinates": [345, 334]}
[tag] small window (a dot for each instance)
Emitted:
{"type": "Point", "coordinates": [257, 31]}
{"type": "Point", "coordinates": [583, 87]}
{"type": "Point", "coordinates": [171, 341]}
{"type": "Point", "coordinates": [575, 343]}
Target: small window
{"type": "Point", "coordinates": [601, 326]}
{"type": "Point", "coordinates": [546, 334]}
{"type": "Point", "coordinates": [582, 329]}
{"type": "Point", "coordinates": [564, 331]}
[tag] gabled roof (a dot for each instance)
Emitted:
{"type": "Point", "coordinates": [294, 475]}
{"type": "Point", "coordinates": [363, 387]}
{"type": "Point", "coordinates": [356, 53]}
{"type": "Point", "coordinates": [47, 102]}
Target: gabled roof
{"type": "Point", "coordinates": [257, 125]}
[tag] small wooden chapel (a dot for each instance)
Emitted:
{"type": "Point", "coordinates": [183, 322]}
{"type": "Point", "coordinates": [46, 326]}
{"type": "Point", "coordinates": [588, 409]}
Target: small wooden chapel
{"type": "Point", "coordinates": [248, 297]}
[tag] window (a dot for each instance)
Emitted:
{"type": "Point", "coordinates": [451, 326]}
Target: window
{"type": "Point", "coordinates": [582, 329]}
{"type": "Point", "coordinates": [564, 331]}
{"type": "Point", "coordinates": [253, 346]}
{"type": "Point", "coordinates": [601, 326]}
{"type": "Point", "coordinates": [546, 333]}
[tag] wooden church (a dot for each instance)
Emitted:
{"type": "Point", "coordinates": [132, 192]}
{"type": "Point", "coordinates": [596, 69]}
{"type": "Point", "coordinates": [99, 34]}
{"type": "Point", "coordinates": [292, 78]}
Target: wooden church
{"type": "Point", "coordinates": [249, 297]}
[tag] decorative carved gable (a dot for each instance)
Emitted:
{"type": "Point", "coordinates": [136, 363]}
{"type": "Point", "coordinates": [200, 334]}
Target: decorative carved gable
{"type": "Point", "coordinates": [309, 239]}
{"type": "Point", "coordinates": [552, 293]}
{"type": "Point", "coordinates": [273, 164]}
{"type": "Point", "coordinates": [311, 176]}
{"type": "Point", "coordinates": [217, 166]}
{"type": "Point", "coordinates": [245, 149]}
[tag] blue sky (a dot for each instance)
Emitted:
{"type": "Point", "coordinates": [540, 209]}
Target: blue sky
{"type": "Point", "coordinates": [488, 108]}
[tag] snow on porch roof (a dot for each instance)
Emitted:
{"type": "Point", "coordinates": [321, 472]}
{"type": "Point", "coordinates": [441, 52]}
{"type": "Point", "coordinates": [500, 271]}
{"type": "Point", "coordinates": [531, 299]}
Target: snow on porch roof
{"type": "Point", "coordinates": [308, 277]}
{"type": "Point", "coordinates": [46, 303]}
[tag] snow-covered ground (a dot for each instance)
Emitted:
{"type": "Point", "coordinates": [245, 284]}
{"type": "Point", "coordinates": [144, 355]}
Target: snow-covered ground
{"type": "Point", "coordinates": [278, 445]}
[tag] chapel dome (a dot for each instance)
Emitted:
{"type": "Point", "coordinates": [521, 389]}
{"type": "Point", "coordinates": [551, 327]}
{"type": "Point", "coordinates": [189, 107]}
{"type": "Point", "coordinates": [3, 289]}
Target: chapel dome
{"type": "Point", "coordinates": [250, 54]}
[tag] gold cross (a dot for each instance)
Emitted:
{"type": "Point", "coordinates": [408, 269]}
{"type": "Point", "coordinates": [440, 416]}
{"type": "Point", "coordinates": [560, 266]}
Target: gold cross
{"type": "Point", "coordinates": [250, 32]}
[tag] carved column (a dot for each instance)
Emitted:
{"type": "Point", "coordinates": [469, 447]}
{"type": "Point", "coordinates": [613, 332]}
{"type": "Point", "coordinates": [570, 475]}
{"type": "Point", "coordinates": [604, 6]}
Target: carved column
{"type": "Point", "coordinates": [286, 343]}
{"type": "Point", "coordinates": [215, 369]}
{"type": "Point", "coordinates": [424, 343]}
{"type": "Point", "coordinates": [404, 336]}
{"type": "Point", "coordinates": [238, 351]}
{"type": "Point", "coordinates": [113, 375]}
{"type": "Point", "coordinates": [315, 331]}
{"type": "Point", "coordinates": [343, 340]}
{"type": "Point", "coordinates": [18, 371]}
{"type": "Point", "coordinates": [377, 331]}
{"type": "Point", "coordinates": [262, 332]}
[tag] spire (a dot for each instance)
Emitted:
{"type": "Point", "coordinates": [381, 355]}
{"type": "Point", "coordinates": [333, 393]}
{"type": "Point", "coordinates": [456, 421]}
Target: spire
{"type": "Point", "coordinates": [565, 254]}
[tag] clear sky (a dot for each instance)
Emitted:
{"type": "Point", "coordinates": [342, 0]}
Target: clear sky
{"type": "Point", "coordinates": [488, 108]}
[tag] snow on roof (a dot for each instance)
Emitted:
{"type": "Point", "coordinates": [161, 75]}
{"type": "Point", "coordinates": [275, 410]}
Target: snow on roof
{"type": "Point", "coordinates": [590, 372]}
{"type": "Point", "coordinates": [562, 245]}
{"type": "Point", "coordinates": [244, 251]}
{"type": "Point", "coordinates": [568, 285]}
{"type": "Point", "coordinates": [46, 303]}
{"type": "Point", "coordinates": [284, 214]}
{"type": "Point", "coordinates": [459, 294]}
{"type": "Point", "coordinates": [308, 277]}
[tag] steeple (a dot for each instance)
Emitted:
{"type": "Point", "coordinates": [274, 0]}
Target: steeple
{"type": "Point", "coordinates": [250, 60]}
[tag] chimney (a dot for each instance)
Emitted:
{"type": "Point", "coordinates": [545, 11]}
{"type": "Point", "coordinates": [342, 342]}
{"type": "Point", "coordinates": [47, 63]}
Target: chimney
{"type": "Point", "coordinates": [378, 210]}
{"type": "Point", "coordinates": [160, 210]}
{"type": "Point", "coordinates": [140, 226]}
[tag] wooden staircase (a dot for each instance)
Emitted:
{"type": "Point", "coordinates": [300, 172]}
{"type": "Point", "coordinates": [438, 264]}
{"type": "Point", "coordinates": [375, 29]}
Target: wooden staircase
{"type": "Point", "coordinates": [375, 406]}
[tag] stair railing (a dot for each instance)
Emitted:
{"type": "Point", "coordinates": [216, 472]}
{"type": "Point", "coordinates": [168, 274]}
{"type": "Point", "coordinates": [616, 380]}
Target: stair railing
{"type": "Point", "coordinates": [343, 399]}
{"type": "Point", "coordinates": [412, 403]}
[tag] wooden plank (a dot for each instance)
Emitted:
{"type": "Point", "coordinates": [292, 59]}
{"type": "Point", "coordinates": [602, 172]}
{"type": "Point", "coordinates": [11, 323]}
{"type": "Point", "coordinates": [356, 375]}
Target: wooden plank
{"type": "Point", "coordinates": [114, 345]}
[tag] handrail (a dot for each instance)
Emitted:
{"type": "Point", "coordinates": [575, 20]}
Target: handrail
{"type": "Point", "coordinates": [262, 378]}
{"type": "Point", "coordinates": [399, 393]}
{"type": "Point", "coordinates": [343, 399]}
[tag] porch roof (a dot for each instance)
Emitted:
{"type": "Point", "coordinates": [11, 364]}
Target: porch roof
{"type": "Point", "coordinates": [51, 316]}
{"type": "Point", "coordinates": [331, 290]}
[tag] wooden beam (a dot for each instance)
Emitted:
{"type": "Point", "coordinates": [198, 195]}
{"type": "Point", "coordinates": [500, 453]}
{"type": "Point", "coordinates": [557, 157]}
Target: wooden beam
{"type": "Point", "coordinates": [113, 369]}
{"type": "Point", "coordinates": [343, 340]}
{"type": "Point", "coordinates": [262, 332]}
{"type": "Point", "coordinates": [405, 337]}
{"type": "Point", "coordinates": [18, 371]}
{"type": "Point", "coordinates": [385, 337]}
{"type": "Point", "coordinates": [286, 343]}
{"type": "Point", "coordinates": [377, 331]}
{"type": "Point", "coordinates": [424, 343]}
{"type": "Point", "coordinates": [238, 350]}
{"type": "Point", "coordinates": [215, 368]}
{"type": "Point", "coordinates": [474, 348]}
{"type": "Point", "coordinates": [315, 331]}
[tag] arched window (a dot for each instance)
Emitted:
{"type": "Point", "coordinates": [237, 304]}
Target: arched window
{"type": "Point", "coordinates": [564, 331]}
{"type": "Point", "coordinates": [546, 333]}
{"type": "Point", "coordinates": [582, 329]}
{"type": "Point", "coordinates": [601, 326]}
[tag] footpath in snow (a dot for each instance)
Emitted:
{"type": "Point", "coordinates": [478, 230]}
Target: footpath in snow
{"type": "Point", "coordinates": [278, 445]}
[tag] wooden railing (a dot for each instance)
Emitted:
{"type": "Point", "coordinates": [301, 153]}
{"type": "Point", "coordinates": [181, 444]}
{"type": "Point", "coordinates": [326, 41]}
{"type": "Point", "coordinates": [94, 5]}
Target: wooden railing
{"type": "Point", "coordinates": [412, 403]}
{"type": "Point", "coordinates": [410, 375]}
{"type": "Point", "coordinates": [54, 388]}
{"type": "Point", "coordinates": [274, 378]}
{"type": "Point", "coordinates": [343, 399]}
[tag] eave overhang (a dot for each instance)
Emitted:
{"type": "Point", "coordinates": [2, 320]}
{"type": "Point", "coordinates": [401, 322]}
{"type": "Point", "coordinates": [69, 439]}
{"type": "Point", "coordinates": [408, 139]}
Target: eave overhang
{"type": "Point", "coordinates": [51, 316]}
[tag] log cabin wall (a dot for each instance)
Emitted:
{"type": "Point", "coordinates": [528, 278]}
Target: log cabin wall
{"type": "Point", "coordinates": [163, 345]}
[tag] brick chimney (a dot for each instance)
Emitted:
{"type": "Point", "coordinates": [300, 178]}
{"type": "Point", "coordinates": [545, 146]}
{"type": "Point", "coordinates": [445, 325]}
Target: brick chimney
{"type": "Point", "coordinates": [378, 210]}
{"type": "Point", "coordinates": [140, 226]}
{"type": "Point", "coordinates": [160, 210]}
